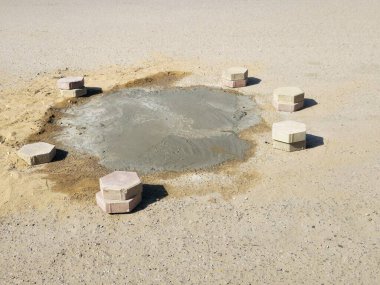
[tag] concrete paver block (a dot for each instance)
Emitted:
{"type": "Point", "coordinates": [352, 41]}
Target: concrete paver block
{"type": "Point", "coordinates": [120, 185]}
{"type": "Point", "coordinates": [287, 107]}
{"type": "Point", "coordinates": [235, 73]}
{"type": "Point", "coordinates": [289, 131]}
{"type": "Point", "coordinates": [288, 95]}
{"type": "Point", "coordinates": [117, 206]}
{"type": "Point", "coordinates": [289, 146]}
{"type": "Point", "coordinates": [37, 153]}
{"type": "Point", "coordinates": [68, 83]}
{"type": "Point", "coordinates": [235, 83]}
{"type": "Point", "coordinates": [73, 93]}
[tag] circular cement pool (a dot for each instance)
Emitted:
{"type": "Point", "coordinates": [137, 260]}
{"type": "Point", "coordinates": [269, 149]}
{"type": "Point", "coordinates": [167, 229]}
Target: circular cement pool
{"type": "Point", "coordinates": [172, 129]}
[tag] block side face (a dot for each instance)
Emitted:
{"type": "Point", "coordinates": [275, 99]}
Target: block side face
{"type": "Point", "coordinates": [44, 158]}
{"type": "Point", "coordinates": [136, 201]}
{"type": "Point", "coordinates": [26, 158]}
{"type": "Point", "coordinates": [279, 136]}
{"type": "Point", "coordinates": [68, 83]}
{"type": "Point", "coordinates": [132, 192]}
{"type": "Point", "coordinates": [123, 194]}
{"type": "Point", "coordinates": [289, 147]}
{"type": "Point", "coordinates": [297, 137]}
{"type": "Point", "coordinates": [101, 183]}
{"type": "Point", "coordinates": [112, 194]}
{"type": "Point", "coordinates": [235, 73]}
{"type": "Point", "coordinates": [289, 98]}
{"type": "Point", "coordinates": [73, 93]}
{"type": "Point", "coordinates": [118, 207]}
{"type": "Point", "coordinates": [289, 138]}
{"type": "Point", "coordinates": [294, 130]}
{"type": "Point", "coordinates": [101, 202]}
{"type": "Point", "coordinates": [235, 83]}
{"type": "Point", "coordinates": [287, 107]}
{"type": "Point", "coordinates": [298, 106]}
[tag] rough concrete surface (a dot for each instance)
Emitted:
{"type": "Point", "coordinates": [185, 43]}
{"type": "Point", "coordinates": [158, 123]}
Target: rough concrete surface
{"type": "Point", "coordinates": [171, 129]}
{"type": "Point", "coordinates": [308, 217]}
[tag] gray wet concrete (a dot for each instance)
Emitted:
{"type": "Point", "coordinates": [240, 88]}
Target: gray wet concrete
{"type": "Point", "coordinates": [170, 129]}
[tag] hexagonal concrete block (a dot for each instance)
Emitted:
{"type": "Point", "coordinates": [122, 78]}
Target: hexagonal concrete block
{"type": "Point", "coordinates": [290, 147]}
{"type": "Point", "coordinates": [235, 83]}
{"type": "Point", "coordinates": [73, 93]}
{"type": "Point", "coordinates": [235, 73]}
{"type": "Point", "coordinates": [288, 95]}
{"type": "Point", "coordinates": [68, 83]}
{"type": "Point", "coordinates": [117, 206]}
{"type": "Point", "coordinates": [37, 153]}
{"type": "Point", "coordinates": [120, 185]}
{"type": "Point", "coordinates": [289, 131]}
{"type": "Point", "coordinates": [287, 107]}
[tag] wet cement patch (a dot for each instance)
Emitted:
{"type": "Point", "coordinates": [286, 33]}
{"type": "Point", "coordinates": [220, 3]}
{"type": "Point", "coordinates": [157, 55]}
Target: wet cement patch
{"type": "Point", "coordinates": [170, 129]}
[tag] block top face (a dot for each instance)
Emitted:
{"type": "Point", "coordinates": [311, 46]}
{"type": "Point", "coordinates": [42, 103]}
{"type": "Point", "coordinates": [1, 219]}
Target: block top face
{"type": "Point", "coordinates": [35, 149]}
{"type": "Point", "coordinates": [236, 73]}
{"type": "Point", "coordinates": [71, 79]}
{"type": "Point", "coordinates": [119, 180]}
{"type": "Point", "coordinates": [68, 83]}
{"type": "Point", "coordinates": [289, 131]}
{"type": "Point", "coordinates": [289, 94]}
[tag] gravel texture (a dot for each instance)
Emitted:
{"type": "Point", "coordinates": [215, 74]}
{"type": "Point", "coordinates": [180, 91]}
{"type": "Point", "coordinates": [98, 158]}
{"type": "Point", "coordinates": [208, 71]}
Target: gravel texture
{"type": "Point", "coordinates": [307, 217]}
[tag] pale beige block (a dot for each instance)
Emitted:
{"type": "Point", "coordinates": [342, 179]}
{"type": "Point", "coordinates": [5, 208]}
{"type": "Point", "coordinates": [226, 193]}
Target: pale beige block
{"type": "Point", "coordinates": [235, 83]}
{"type": "Point", "coordinates": [117, 206]}
{"type": "Point", "coordinates": [37, 153]}
{"type": "Point", "coordinates": [289, 131]}
{"type": "Point", "coordinates": [288, 107]}
{"type": "Point", "coordinates": [290, 147]}
{"type": "Point", "coordinates": [72, 82]}
{"type": "Point", "coordinates": [235, 73]}
{"type": "Point", "coordinates": [120, 185]}
{"type": "Point", "coordinates": [73, 93]}
{"type": "Point", "coordinates": [288, 95]}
